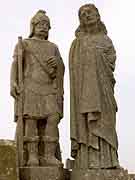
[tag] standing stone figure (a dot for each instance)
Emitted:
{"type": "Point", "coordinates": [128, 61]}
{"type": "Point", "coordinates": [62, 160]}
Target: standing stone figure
{"type": "Point", "coordinates": [93, 107]}
{"type": "Point", "coordinates": [42, 90]}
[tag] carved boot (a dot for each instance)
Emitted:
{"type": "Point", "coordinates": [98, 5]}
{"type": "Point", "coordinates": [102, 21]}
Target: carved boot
{"type": "Point", "coordinates": [49, 155]}
{"type": "Point", "coordinates": [32, 154]}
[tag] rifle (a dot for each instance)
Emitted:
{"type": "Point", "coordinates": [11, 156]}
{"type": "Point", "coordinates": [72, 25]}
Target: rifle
{"type": "Point", "coordinates": [20, 124]}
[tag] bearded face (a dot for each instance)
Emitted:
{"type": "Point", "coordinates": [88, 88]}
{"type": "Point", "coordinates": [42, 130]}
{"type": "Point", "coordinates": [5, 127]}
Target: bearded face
{"type": "Point", "coordinates": [40, 25]}
{"type": "Point", "coordinates": [42, 28]}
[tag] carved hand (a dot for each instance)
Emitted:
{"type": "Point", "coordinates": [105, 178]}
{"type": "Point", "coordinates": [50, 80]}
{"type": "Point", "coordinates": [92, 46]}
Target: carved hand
{"type": "Point", "coordinates": [14, 90]}
{"type": "Point", "coordinates": [52, 66]}
{"type": "Point", "coordinates": [52, 62]}
{"type": "Point", "coordinates": [52, 72]}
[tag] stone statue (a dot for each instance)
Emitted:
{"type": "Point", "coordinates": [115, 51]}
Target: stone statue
{"type": "Point", "coordinates": [42, 95]}
{"type": "Point", "coordinates": [93, 107]}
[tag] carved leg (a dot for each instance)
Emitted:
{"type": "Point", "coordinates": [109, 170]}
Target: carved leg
{"type": "Point", "coordinates": [31, 139]}
{"type": "Point", "coordinates": [51, 129]}
{"type": "Point", "coordinates": [51, 139]}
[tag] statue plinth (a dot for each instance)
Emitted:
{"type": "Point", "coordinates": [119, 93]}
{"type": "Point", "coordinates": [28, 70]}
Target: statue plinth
{"type": "Point", "coordinates": [102, 174]}
{"type": "Point", "coordinates": [42, 173]}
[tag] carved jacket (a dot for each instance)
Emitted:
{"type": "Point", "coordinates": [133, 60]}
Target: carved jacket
{"type": "Point", "coordinates": [42, 94]}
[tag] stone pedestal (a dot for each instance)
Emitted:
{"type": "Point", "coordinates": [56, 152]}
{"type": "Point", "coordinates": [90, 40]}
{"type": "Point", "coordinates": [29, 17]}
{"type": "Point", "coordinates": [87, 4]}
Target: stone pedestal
{"type": "Point", "coordinates": [112, 174]}
{"type": "Point", "coordinates": [41, 173]}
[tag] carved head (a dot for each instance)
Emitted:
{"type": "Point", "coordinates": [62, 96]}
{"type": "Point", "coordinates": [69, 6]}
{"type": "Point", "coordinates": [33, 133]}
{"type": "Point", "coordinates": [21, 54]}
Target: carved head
{"type": "Point", "coordinates": [89, 16]}
{"type": "Point", "coordinates": [40, 24]}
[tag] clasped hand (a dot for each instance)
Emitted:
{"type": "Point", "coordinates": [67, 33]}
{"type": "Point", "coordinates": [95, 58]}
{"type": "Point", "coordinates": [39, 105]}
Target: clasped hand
{"type": "Point", "coordinates": [52, 66]}
{"type": "Point", "coordinates": [16, 89]}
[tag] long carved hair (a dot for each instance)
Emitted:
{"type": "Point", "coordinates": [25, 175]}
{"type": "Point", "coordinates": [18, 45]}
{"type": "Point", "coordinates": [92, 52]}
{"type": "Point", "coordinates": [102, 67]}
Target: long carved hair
{"type": "Point", "coordinates": [101, 26]}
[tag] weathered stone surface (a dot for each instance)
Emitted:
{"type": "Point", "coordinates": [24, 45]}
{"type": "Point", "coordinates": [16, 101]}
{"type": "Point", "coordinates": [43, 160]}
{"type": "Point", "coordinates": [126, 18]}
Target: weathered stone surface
{"type": "Point", "coordinates": [113, 174]}
{"type": "Point", "coordinates": [42, 173]}
{"type": "Point", "coordinates": [7, 160]}
{"type": "Point", "coordinates": [131, 177]}
{"type": "Point", "coordinates": [92, 59]}
{"type": "Point", "coordinates": [66, 174]}
{"type": "Point", "coordinates": [37, 87]}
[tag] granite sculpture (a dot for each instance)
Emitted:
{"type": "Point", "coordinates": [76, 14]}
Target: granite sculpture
{"type": "Point", "coordinates": [93, 107]}
{"type": "Point", "coordinates": [37, 86]}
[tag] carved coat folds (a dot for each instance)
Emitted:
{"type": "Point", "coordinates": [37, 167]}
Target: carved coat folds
{"type": "Point", "coordinates": [42, 95]}
{"type": "Point", "coordinates": [93, 106]}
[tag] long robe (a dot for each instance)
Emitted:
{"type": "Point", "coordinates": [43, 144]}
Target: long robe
{"type": "Point", "coordinates": [93, 106]}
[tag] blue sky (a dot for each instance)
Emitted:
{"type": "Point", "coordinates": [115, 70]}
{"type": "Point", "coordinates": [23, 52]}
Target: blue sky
{"type": "Point", "coordinates": [119, 19]}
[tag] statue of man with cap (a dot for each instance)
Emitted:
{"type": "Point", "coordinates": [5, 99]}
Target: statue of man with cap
{"type": "Point", "coordinates": [42, 90]}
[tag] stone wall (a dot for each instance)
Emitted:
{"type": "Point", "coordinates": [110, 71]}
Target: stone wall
{"type": "Point", "coordinates": [131, 177]}
{"type": "Point", "coordinates": [7, 160]}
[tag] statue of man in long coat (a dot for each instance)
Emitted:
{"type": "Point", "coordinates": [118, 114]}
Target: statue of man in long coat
{"type": "Point", "coordinates": [93, 107]}
{"type": "Point", "coordinates": [42, 90]}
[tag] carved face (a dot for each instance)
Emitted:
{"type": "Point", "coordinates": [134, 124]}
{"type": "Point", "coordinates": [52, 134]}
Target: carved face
{"type": "Point", "coordinates": [42, 28]}
{"type": "Point", "coordinates": [88, 16]}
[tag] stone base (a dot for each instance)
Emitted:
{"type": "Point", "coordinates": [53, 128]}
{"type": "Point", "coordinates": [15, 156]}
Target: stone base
{"type": "Point", "coordinates": [91, 174]}
{"type": "Point", "coordinates": [41, 173]}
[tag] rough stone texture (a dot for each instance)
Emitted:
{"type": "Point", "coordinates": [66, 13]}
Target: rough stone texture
{"type": "Point", "coordinates": [71, 173]}
{"type": "Point", "coordinates": [67, 174]}
{"type": "Point", "coordinates": [7, 160]}
{"type": "Point", "coordinates": [131, 177]}
{"type": "Point", "coordinates": [42, 173]}
{"type": "Point", "coordinates": [94, 142]}
{"type": "Point", "coordinates": [117, 174]}
{"type": "Point", "coordinates": [37, 87]}
{"type": "Point", "coordinates": [92, 59]}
